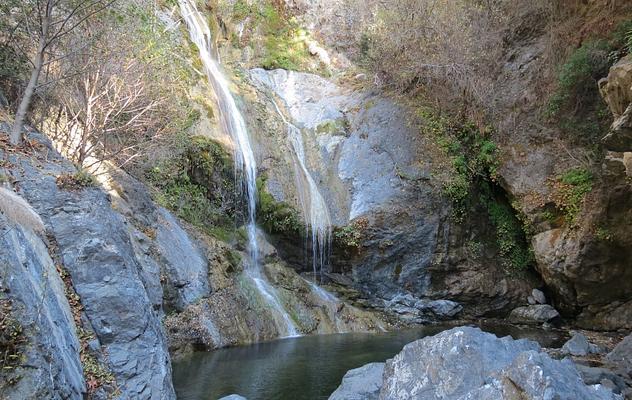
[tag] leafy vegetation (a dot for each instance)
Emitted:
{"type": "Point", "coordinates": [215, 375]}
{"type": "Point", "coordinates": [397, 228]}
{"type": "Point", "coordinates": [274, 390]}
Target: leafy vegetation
{"type": "Point", "coordinates": [277, 217]}
{"type": "Point", "coordinates": [510, 233]}
{"type": "Point", "coordinates": [569, 192]}
{"type": "Point", "coordinates": [284, 42]}
{"type": "Point", "coordinates": [474, 162]}
{"type": "Point", "coordinates": [576, 105]}
{"type": "Point", "coordinates": [349, 236]}
{"type": "Point", "coordinates": [184, 184]}
{"type": "Point", "coordinates": [473, 157]}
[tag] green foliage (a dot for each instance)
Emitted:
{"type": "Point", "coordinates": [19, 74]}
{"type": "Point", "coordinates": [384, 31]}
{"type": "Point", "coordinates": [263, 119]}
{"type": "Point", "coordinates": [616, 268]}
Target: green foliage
{"type": "Point", "coordinates": [180, 192]}
{"type": "Point", "coordinates": [348, 236]}
{"type": "Point", "coordinates": [283, 41]}
{"type": "Point", "coordinates": [578, 75]}
{"type": "Point", "coordinates": [277, 217]}
{"type": "Point", "coordinates": [510, 235]}
{"type": "Point", "coordinates": [473, 156]}
{"type": "Point", "coordinates": [570, 190]}
{"type": "Point", "coordinates": [621, 39]}
{"type": "Point", "coordinates": [604, 234]}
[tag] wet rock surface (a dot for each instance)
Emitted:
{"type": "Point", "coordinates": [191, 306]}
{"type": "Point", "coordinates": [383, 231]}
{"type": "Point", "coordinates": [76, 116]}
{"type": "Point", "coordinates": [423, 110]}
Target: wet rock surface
{"type": "Point", "coordinates": [374, 170]}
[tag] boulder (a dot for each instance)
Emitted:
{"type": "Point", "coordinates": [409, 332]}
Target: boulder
{"type": "Point", "coordinates": [362, 383]}
{"type": "Point", "coordinates": [538, 296]}
{"type": "Point", "coordinates": [621, 355]}
{"type": "Point", "coordinates": [535, 314]}
{"type": "Point", "coordinates": [442, 309]}
{"type": "Point", "coordinates": [578, 345]}
{"type": "Point", "coordinates": [603, 376]}
{"type": "Point", "coordinates": [467, 363]}
{"type": "Point", "coordinates": [233, 397]}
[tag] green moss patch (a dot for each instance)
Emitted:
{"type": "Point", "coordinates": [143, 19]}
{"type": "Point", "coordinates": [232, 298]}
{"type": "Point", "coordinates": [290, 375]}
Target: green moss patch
{"type": "Point", "coordinates": [277, 217]}
{"type": "Point", "coordinates": [198, 186]}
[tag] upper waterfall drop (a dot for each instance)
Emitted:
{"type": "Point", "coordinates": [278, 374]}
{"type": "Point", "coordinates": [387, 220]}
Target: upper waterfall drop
{"type": "Point", "coordinates": [234, 125]}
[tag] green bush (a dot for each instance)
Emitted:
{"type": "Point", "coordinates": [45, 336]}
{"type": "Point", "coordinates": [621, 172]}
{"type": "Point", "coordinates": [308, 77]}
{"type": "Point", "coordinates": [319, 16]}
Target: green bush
{"type": "Point", "coordinates": [510, 234]}
{"type": "Point", "coordinates": [178, 191]}
{"type": "Point", "coordinates": [473, 157]}
{"type": "Point", "coordinates": [571, 188]}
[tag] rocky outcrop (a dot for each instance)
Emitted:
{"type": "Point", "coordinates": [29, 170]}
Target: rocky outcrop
{"type": "Point", "coordinates": [94, 243]}
{"type": "Point", "coordinates": [616, 90]}
{"type": "Point", "coordinates": [362, 383]}
{"type": "Point", "coordinates": [50, 367]}
{"type": "Point", "coordinates": [374, 170]}
{"type": "Point", "coordinates": [466, 363]}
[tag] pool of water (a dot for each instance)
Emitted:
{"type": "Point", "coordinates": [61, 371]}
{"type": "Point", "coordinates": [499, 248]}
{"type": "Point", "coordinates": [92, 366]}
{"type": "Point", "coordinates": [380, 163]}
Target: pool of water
{"type": "Point", "coordinates": [303, 368]}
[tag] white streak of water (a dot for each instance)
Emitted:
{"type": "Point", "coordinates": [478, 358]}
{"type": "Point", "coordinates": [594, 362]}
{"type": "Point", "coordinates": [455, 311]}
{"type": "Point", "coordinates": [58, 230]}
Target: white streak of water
{"type": "Point", "coordinates": [233, 123]}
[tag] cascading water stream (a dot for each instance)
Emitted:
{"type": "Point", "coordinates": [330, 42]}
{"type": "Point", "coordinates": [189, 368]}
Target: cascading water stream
{"type": "Point", "coordinates": [315, 209]}
{"type": "Point", "coordinates": [234, 125]}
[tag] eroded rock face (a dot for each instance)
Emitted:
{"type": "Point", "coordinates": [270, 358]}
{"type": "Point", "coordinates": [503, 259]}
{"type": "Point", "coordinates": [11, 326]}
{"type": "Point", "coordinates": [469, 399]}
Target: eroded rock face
{"type": "Point", "coordinates": [466, 363]}
{"type": "Point", "coordinates": [374, 170]}
{"type": "Point", "coordinates": [616, 90]}
{"type": "Point", "coordinates": [96, 249]}
{"type": "Point", "coordinates": [29, 277]}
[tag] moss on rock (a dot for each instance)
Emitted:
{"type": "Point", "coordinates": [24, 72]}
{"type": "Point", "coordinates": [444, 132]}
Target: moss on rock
{"type": "Point", "coordinates": [277, 217]}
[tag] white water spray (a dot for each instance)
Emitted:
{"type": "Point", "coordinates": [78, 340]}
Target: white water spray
{"type": "Point", "coordinates": [313, 205]}
{"type": "Point", "coordinates": [233, 124]}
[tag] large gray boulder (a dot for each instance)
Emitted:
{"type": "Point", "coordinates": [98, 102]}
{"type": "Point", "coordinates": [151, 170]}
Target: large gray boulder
{"type": "Point", "coordinates": [362, 383]}
{"type": "Point", "coordinates": [534, 314]}
{"type": "Point", "coordinates": [467, 363]}
{"type": "Point", "coordinates": [94, 243]}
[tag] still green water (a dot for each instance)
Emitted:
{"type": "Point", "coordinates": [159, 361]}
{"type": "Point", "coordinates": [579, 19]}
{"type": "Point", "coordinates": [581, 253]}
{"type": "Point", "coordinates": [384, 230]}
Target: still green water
{"type": "Point", "coordinates": [303, 368]}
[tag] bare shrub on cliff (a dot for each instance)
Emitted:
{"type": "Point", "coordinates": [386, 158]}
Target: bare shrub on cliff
{"type": "Point", "coordinates": [129, 94]}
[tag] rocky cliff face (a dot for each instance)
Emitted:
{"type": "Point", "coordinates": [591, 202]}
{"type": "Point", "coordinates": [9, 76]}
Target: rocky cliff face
{"type": "Point", "coordinates": [375, 167]}
{"type": "Point", "coordinates": [90, 297]}
{"type": "Point", "coordinates": [381, 172]}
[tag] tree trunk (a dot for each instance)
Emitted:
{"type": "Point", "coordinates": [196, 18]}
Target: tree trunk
{"type": "Point", "coordinates": [16, 131]}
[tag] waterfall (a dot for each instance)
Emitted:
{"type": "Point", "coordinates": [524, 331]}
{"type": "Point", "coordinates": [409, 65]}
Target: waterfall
{"type": "Point", "coordinates": [313, 205]}
{"type": "Point", "coordinates": [245, 165]}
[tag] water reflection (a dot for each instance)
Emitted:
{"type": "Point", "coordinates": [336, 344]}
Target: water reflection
{"type": "Point", "coordinates": [302, 368]}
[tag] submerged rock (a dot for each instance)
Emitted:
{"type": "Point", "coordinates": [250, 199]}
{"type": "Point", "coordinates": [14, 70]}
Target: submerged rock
{"type": "Point", "coordinates": [233, 397]}
{"type": "Point", "coordinates": [467, 363]}
{"type": "Point", "coordinates": [362, 383]}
